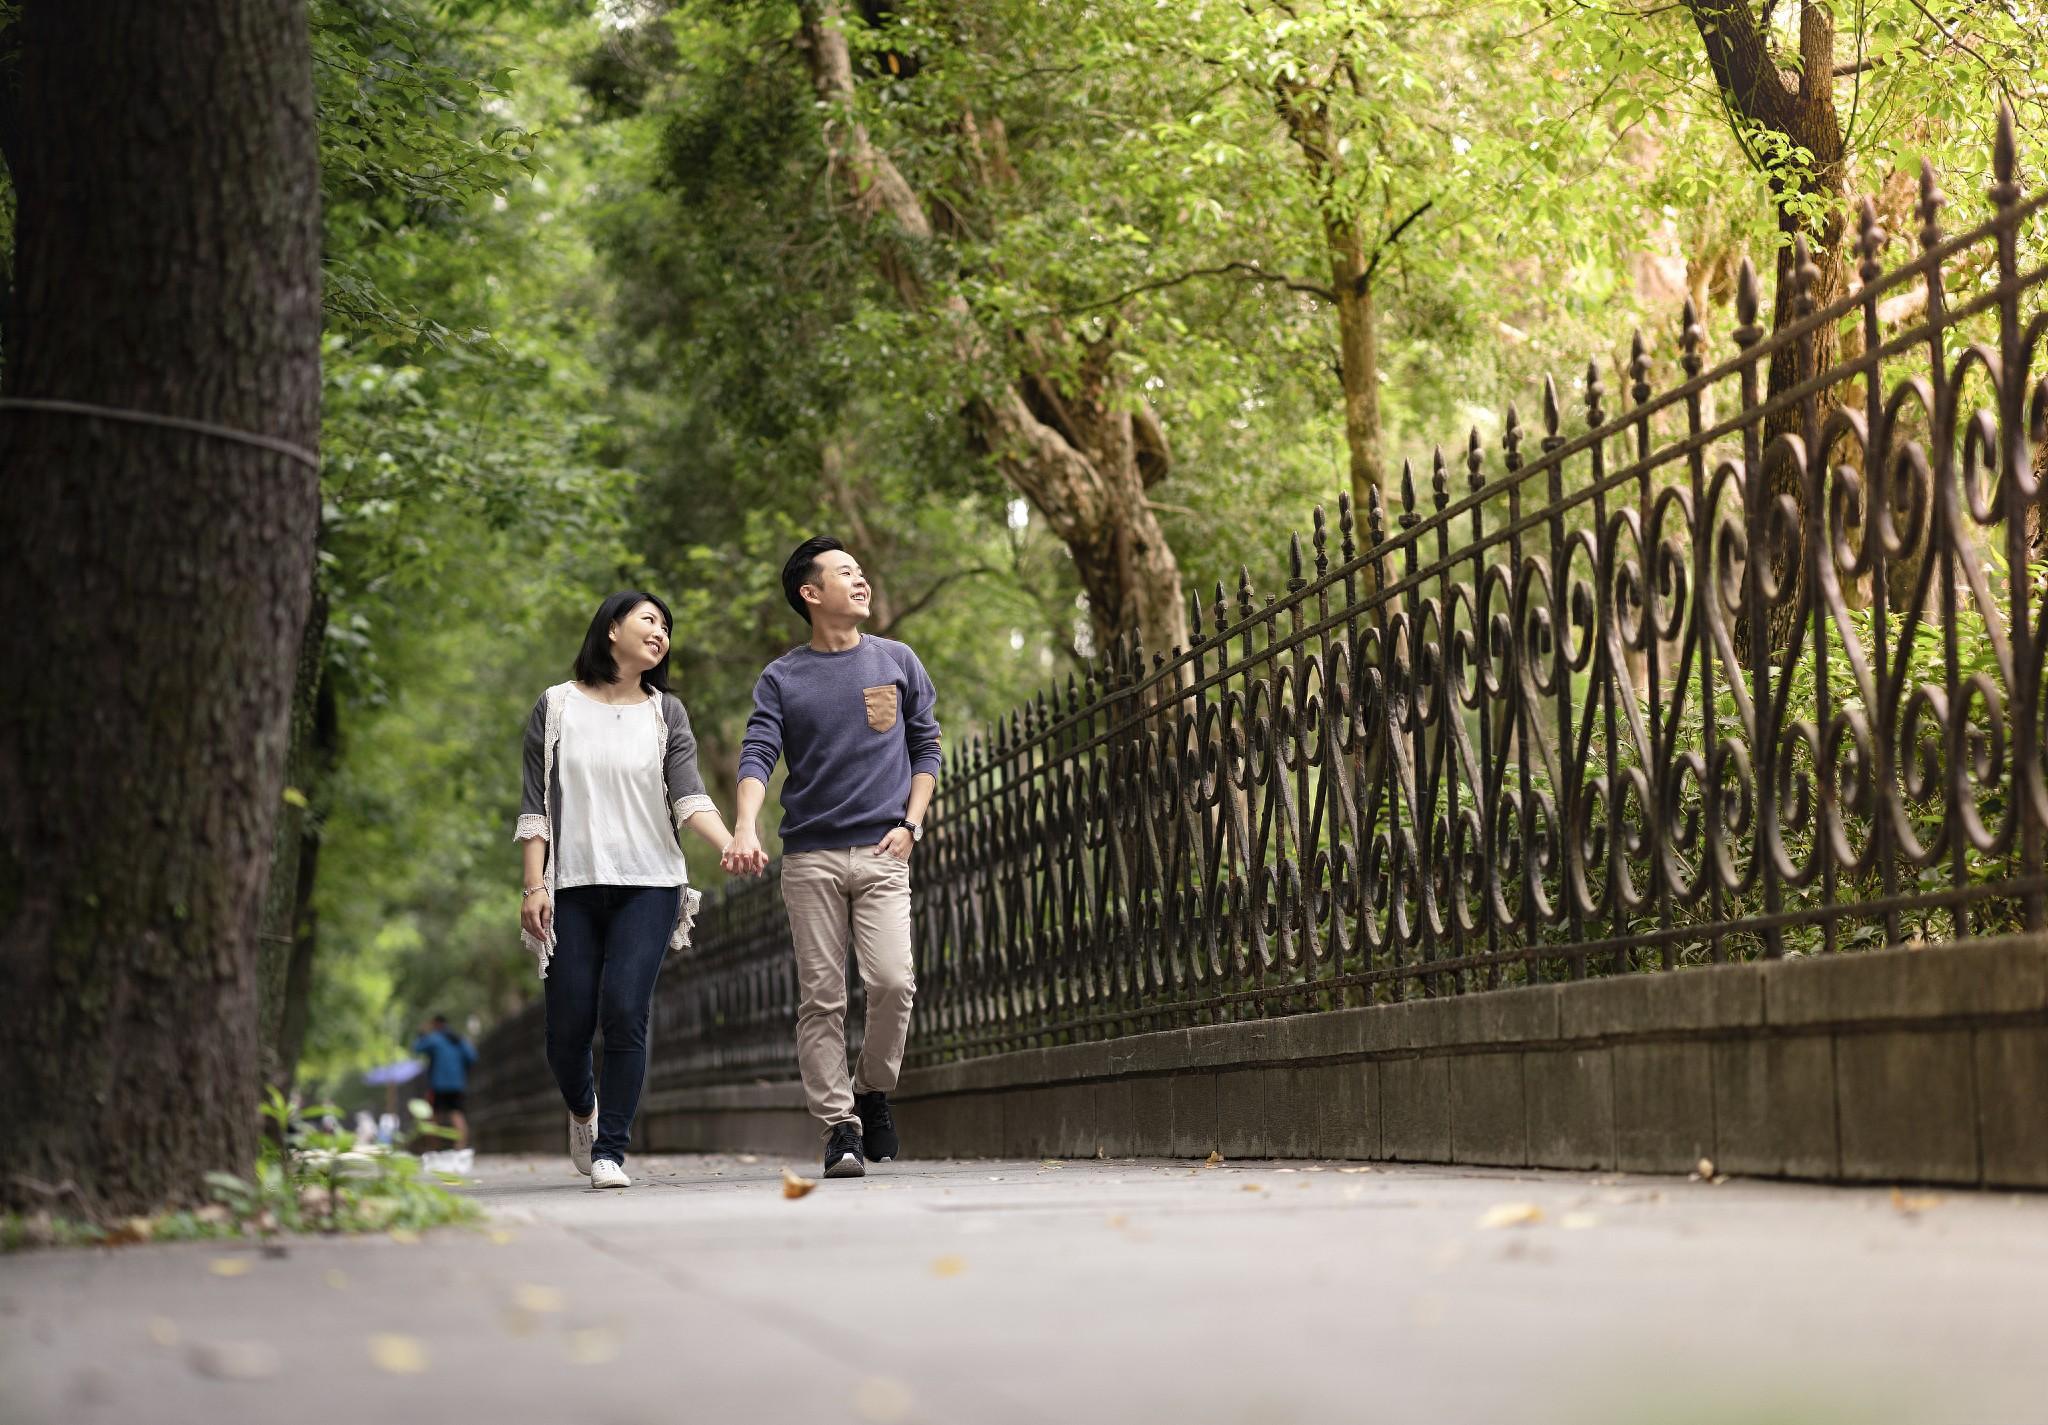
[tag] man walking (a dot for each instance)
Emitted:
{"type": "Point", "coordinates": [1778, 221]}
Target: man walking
{"type": "Point", "coordinates": [449, 1056]}
{"type": "Point", "coordinates": [853, 716]}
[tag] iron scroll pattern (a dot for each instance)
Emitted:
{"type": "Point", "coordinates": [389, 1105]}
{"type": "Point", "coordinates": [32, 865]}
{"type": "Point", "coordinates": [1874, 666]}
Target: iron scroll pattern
{"type": "Point", "coordinates": [1725, 673]}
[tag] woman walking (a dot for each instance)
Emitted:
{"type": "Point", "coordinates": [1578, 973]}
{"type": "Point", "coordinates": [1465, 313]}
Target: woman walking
{"type": "Point", "coordinates": [610, 781]}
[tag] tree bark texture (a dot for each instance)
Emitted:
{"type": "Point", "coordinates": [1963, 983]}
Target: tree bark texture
{"type": "Point", "coordinates": [1084, 452]}
{"type": "Point", "coordinates": [154, 582]}
{"type": "Point", "coordinates": [1306, 114]}
{"type": "Point", "coordinates": [1798, 104]}
{"type": "Point", "coordinates": [290, 931]}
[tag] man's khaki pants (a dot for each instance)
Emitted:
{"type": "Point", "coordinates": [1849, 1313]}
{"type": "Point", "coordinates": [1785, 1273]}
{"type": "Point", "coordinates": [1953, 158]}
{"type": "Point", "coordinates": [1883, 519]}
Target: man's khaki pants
{"type": "Point", "coordinates": [830, 894]}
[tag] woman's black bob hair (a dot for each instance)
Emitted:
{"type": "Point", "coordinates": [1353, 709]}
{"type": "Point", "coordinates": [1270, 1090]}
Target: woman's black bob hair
{"type": "Point", "coordinates": [595, 665]}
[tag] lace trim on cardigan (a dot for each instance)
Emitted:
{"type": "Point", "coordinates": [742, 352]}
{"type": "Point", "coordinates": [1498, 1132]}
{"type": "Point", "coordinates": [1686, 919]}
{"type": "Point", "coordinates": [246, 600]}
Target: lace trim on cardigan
{"type": "Point", "coordinates": [543, 946]}
{"type": "Point", "coordinates": [686, 917]}
{"type": "Point", "coordinates": [531, 828]}
{"type": "Point", "coordinates": [687, 807]}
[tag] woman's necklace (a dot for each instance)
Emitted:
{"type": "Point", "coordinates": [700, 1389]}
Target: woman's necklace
{"type": "Point", "coordinates": [618, 709]}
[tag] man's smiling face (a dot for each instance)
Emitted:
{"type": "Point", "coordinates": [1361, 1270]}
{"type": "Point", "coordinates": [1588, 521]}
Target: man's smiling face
{"type": "Point", "coordinates": [841, 590]}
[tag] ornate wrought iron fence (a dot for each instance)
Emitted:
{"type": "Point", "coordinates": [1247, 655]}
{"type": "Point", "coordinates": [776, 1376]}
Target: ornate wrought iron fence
{"type": "Point", "coordinates": [1726, 672]}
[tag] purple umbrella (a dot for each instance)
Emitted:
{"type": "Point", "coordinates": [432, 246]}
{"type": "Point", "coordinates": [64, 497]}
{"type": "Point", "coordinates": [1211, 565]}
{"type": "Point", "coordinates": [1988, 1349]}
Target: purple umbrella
{"type": "Point", "coordinates": [397, 1073]}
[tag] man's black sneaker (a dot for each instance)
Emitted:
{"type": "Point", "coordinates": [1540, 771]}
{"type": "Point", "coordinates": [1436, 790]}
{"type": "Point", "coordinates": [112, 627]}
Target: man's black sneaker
{"type": "Point", "coordinates": [877, 1126]}
{"type": "Point", "coordinates": [842, 1152]}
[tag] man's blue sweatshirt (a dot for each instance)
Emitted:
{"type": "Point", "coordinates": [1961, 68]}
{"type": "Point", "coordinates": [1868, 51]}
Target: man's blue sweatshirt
{"type": "Point", "coordinates": [854, 726]}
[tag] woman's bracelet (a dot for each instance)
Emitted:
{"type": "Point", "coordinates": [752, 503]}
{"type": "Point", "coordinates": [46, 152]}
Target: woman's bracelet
{"type": "Point", "coordinates": [530, 890]}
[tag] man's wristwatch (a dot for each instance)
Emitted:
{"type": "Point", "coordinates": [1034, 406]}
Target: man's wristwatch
{"type": "Point", "coordinates": [916, 831]}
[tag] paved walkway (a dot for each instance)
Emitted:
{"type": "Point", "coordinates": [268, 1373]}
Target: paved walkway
{"type": "Point", "coordinates": [993, 1292]}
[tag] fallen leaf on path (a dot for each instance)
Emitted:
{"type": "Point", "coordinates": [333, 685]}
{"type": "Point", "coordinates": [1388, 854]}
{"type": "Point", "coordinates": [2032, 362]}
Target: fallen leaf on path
{"type": "Point", "coordinates": [501, 1238]}
{"type": "Point", "coordinates": [1251, 1187]}
{"type": "Point", "coordinates": [1511, 1214]}
{"type": "Point", "coordinates": [1214, 1160]}
{"type": "Point", "coordinates": [882, 1400]}
{"type": "Point", "coordinates": [1118, 1219]}
{"type": "Point", "coordinates": [229, 1266]}
{"type": "Point", "coordinates": [517, 1322]}
{"type": "Point", "coordinates": [1578, 1221]}
{"type": "Point", "coordinates": [336, 1278]}
{"type": "Point", "coordinates": [794, 1186]}
{"type": "Point", "coordinates": [1285, 1170]}
{"type": "Point", "coordinates": [398, 1355]}
{"type": "Point", "coordinates": [1366, 1168]}
{"type": "Point", "coordinates": [948, 1266]}
{"type": "Point", "coordinates": [1050, 1163]}
{"type": "Point", "coordinates": [163, 1330]}
{"type": "Point", "coordinates": [592, 1346]}
{"type": "Point", "coordinates": [234, 1360]}
{"type": "Point", "coordinates": [749, 1159]}
{"type": "Point", "coordinates": [1099, 1154]}
{"type": "Point", "coordinates": [130, 1229]}
{"type": "Point", "coordinates": [1703, 1169]}
{"type": "Point", "coordinates": [538, 1298]}
{"type": "Point", "coordinates": [1912, 1204]}
{"type": "Point", "coordinates": [404, 1236]}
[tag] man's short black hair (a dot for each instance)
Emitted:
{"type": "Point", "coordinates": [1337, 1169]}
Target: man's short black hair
{"type": "Point", "coordinates": [440, 1019]}
{"type": "Point", "coordinates": [801, 568]}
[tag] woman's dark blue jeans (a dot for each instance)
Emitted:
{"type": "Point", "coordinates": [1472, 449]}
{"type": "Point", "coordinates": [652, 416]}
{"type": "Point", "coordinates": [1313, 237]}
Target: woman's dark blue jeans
{"type": "Point", "coordinates": [609, 944]}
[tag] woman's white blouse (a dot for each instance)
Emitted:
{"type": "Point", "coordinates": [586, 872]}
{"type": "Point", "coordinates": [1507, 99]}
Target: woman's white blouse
{"type": "Point", "coordinates": [613, 827]}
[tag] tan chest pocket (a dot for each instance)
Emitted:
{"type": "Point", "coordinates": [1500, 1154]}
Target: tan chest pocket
{"type": "Point", "coordinates": [881, 705]}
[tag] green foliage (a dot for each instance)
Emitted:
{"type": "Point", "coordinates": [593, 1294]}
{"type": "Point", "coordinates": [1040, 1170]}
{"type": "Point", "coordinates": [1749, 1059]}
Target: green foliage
{"type": "Point", "coordinates": [306, 1180]}
{"type": "Point", "coordinates": [595, 318]}
{"type": "Point", "coordinates": [473, 501]}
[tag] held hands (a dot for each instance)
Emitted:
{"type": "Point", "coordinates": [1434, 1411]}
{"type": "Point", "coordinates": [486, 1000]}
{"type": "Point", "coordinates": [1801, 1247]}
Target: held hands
{"type": "Point", "coordinates": [743, 855]}
{"type": "Point", "coordinates": [537, 914]}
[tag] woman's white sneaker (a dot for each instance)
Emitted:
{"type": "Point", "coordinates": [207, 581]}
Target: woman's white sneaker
{"type": "Point", "coordinates": [582, 1137]}
{"type": "Point", "coordinates": [605, 1173]}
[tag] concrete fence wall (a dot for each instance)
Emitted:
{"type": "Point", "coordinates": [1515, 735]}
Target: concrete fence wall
{"type": "Point", "coordinates": [1901, 1065]}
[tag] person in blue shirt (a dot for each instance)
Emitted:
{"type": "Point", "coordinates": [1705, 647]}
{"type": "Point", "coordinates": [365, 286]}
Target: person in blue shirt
{"type": "Point", "coordinates": [448, 1056]}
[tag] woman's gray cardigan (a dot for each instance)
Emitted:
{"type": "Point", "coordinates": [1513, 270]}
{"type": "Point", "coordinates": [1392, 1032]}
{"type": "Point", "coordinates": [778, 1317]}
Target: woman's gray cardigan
{"type": "Point", "coordinates": [540, 797]}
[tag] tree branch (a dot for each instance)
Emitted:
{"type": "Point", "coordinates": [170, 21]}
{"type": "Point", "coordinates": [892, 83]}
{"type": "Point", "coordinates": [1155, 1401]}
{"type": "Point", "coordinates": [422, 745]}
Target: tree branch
{"type": "Point", "coordinates": [924, 600]}
{"type": "Point", "coordinates": [1740, 57]}
{"type": "Point", "coordinates": [1250, 270]}
{"type": "Point", "coordinates": [1386, 243]}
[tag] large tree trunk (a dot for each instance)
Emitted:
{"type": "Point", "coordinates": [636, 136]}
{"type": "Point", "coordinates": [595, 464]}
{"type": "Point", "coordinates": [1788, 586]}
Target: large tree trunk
{"type": "Point", "coordinates": [1083, 454]}
{"type": "Point", "coordinates": [1798, 104]}
{"type": "Point", "coordinates": [153, 581]}
{"type": "Point", "coordinates": [1305, 111]}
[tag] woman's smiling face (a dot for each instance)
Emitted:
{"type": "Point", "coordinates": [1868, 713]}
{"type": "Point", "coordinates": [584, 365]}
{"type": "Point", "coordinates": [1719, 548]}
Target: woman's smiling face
{"type": "Point", "coordinates": [639, 641]}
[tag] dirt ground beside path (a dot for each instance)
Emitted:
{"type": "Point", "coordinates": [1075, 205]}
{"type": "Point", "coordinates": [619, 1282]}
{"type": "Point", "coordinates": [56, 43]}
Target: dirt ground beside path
{"type": "Point", "coordinates": [959, 1293]}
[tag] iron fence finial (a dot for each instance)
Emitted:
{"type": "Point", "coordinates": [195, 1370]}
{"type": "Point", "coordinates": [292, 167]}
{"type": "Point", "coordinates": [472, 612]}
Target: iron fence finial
{"type": "Point", "coordinates": [1931, 203]}
{"type": "Point", "coordinates": [1747, 302]}
{"type": "Point", "coordinates": [2005, 158]}
{"type": "Point", "coordinates": [1870, 241]}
